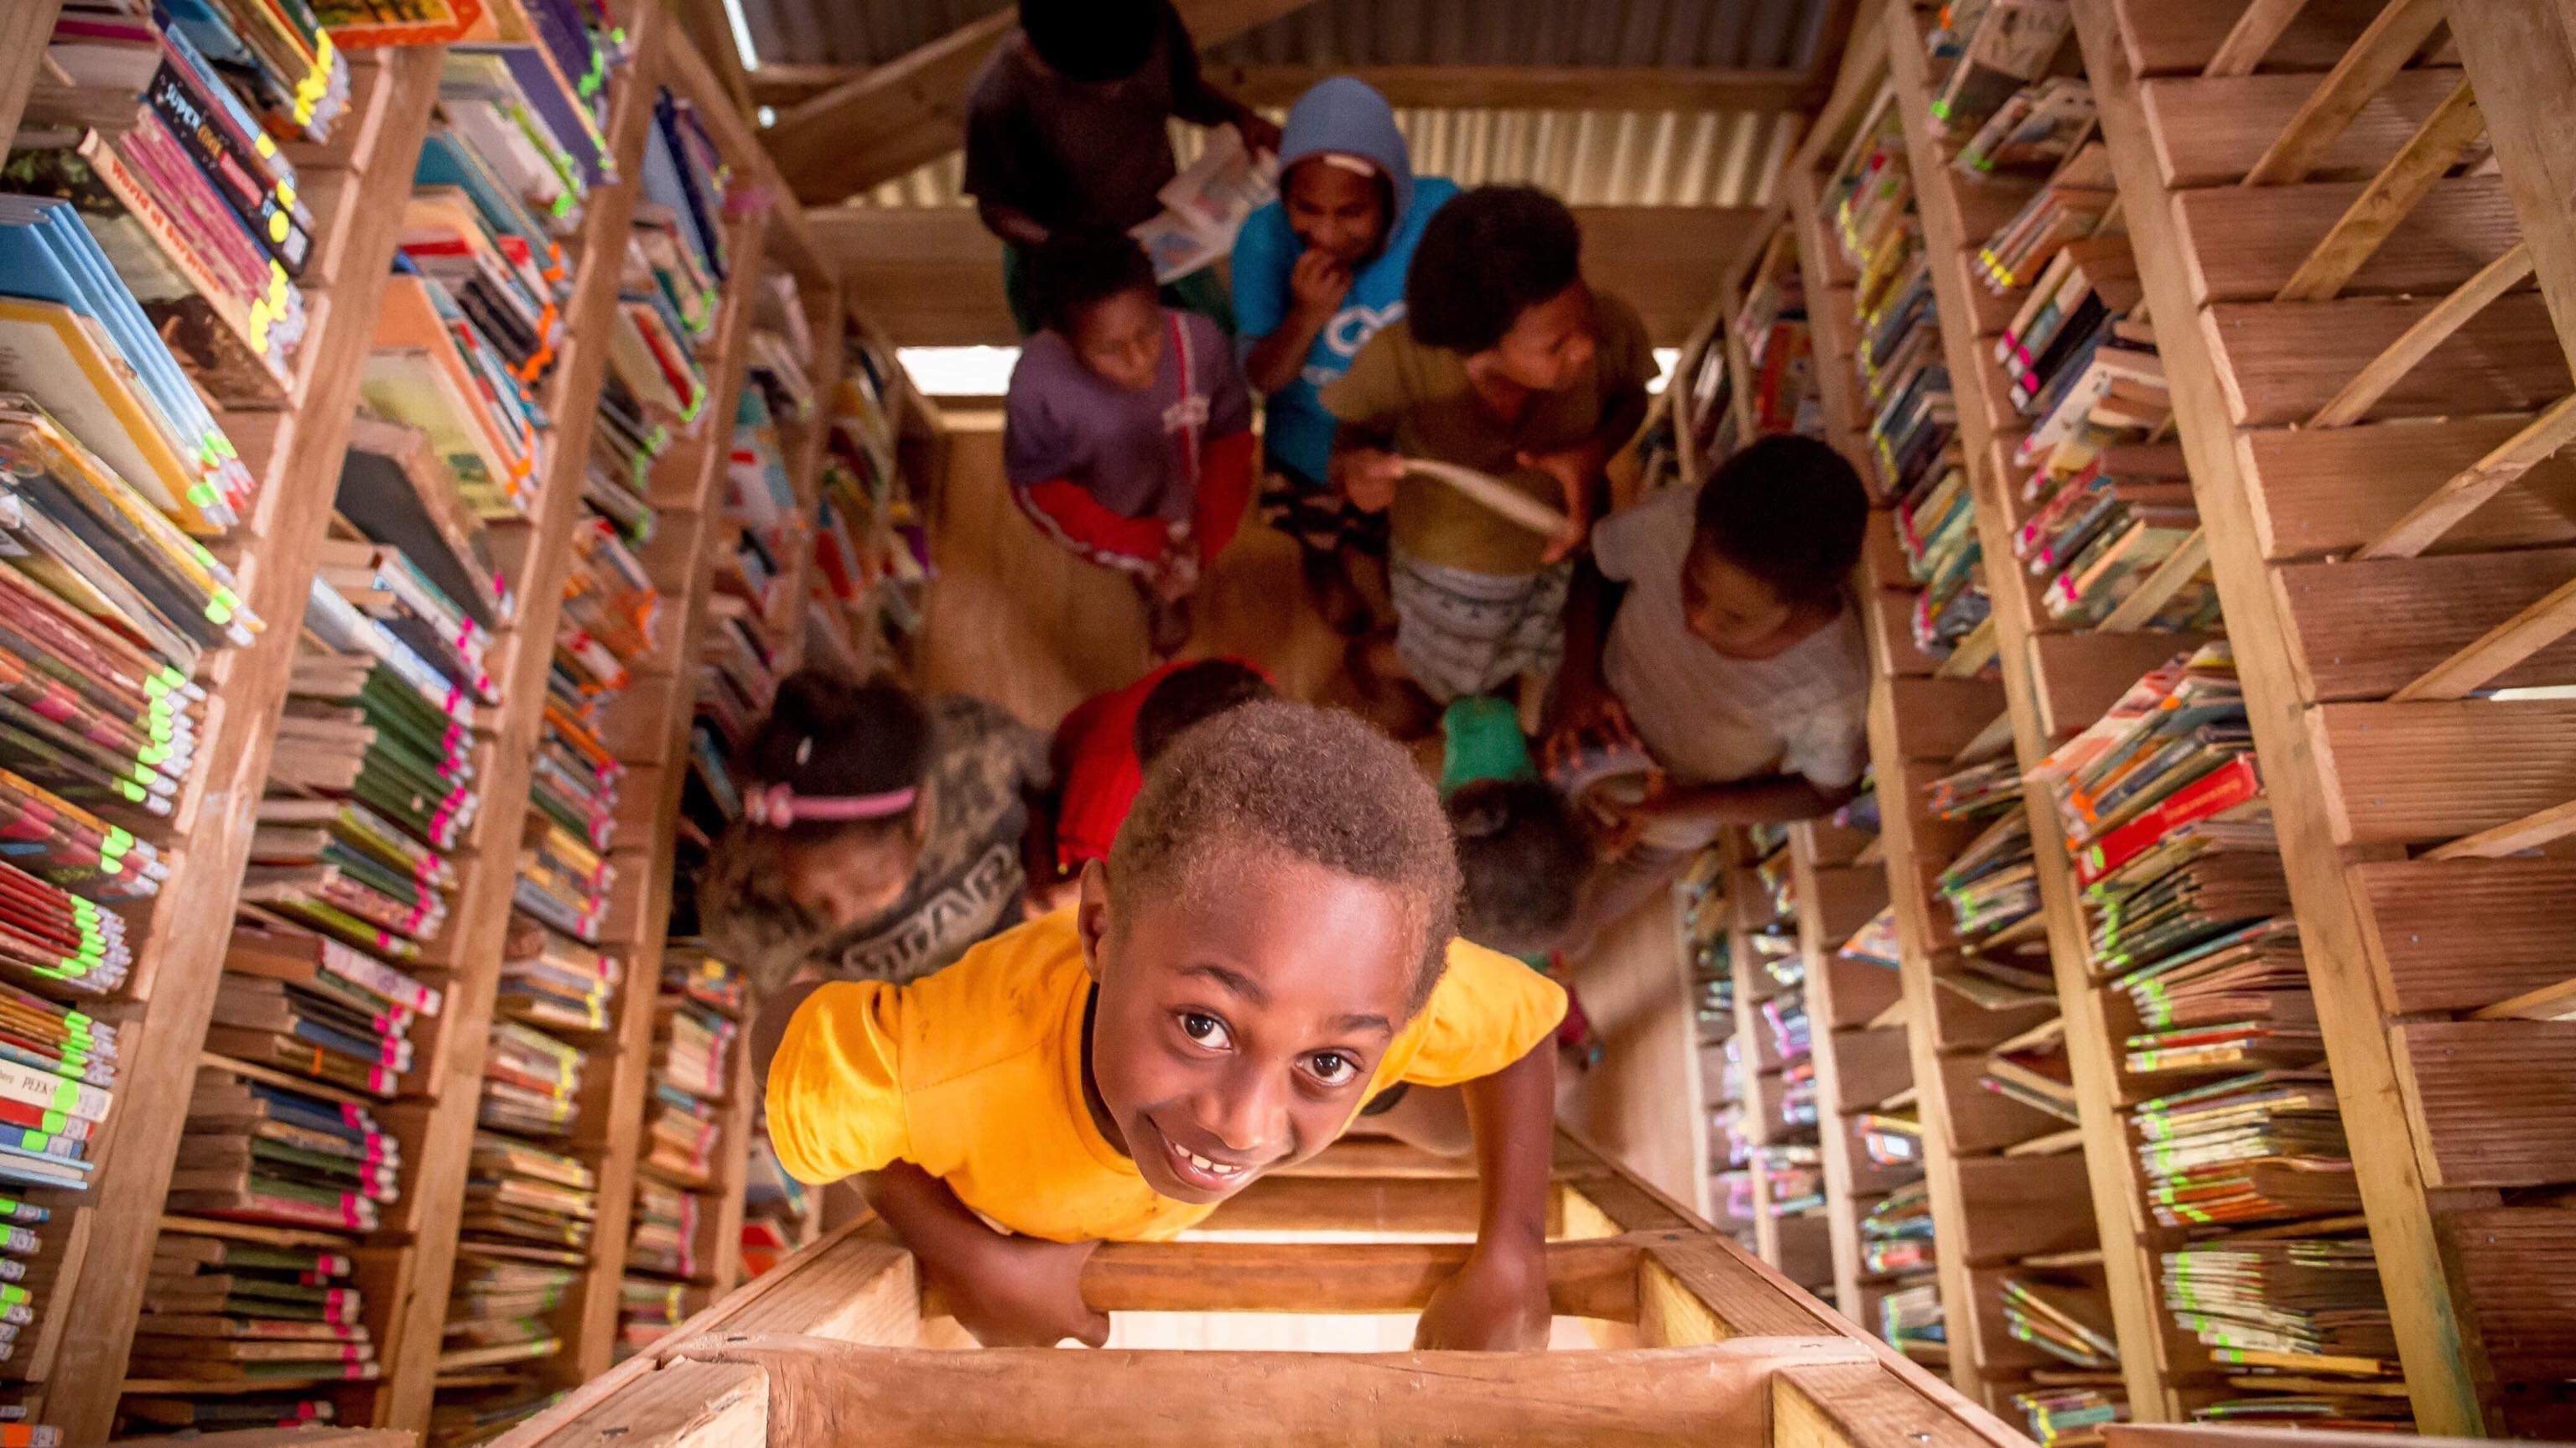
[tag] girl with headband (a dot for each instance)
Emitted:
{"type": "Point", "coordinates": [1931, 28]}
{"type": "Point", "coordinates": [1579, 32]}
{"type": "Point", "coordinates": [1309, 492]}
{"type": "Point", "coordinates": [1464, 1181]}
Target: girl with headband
{"type": "Point", "coordinates": [881, 834]}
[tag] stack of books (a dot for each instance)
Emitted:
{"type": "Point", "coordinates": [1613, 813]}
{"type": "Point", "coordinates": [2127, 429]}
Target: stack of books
{"type": "Point", "coordinates": [1985, 51]}
{"type": "Point", "coordinates": [775, 1207]}
{"type": "Point", "coordinates": [499, 1309]}
{"type": "Point", "coordinates": [2071, 1415]}
{"type": "Point", "coordinates": [1992, 887]}
{"type": "Point", "coordinates": [871, 548]}
{"type": "Point", "coordinates": [1875, 943]}
{"type": "Point", "coordinates": [1891, 1138]}
{"type": "Point", "coordinates": [648, 1308]}
{"type": "Point", "coordinates": [1909, 1320]}
{"type": "Point", "coordinates": [1796, 1177]}
{"type": "Point", "coordinates": [2034, 130]}
{"type": "Point", "coordinates": [1785, 1016]}
{"type": "Point", "coordinates": [665, 1235]}
{"type": "Point", "coordinates": [1896, 1234]}
{"type": "Point", "coordinates": [239, 1315]}
{"type": "Point", "coordinates": [2301, 1316]}
{"type": "Point", "coordinates": [695, 1036]}
{"type": "Point", "coordinates": [2069, 208]}
{"type": "Point", "coordinates": [2104, 528]}
{"type": "Point", "coordinates": [2261, 1147]}
{"type": "Point", "coordinates": [2032, 1068]}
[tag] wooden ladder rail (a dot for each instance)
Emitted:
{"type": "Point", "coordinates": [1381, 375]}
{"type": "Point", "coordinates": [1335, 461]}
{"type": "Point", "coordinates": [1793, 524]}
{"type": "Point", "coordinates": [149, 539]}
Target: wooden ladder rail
{"type": "Point", "coordinates": [835, 1335]}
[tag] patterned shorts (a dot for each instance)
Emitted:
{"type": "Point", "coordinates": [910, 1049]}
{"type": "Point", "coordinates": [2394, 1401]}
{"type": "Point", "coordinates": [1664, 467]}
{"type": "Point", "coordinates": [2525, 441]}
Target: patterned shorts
{"type": "Point", "coordinates": [1462, 633]}
{"type": "Point", "coordinates": [1318, 516]}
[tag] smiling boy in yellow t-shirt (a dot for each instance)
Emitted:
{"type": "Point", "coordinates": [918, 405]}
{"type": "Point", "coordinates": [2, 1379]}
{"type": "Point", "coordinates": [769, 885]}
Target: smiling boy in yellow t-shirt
{"type": "Point", "coordinates": [1266, 951]}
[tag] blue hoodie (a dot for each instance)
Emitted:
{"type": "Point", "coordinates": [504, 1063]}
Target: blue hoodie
{"type": "Point", "coordinates": [1345, 116]}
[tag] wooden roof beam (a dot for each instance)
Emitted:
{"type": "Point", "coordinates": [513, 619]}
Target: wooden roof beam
{"type": "Point", "coordinates": [885, 120]}
{"type": "Point", "coordinates": [1533, 87]}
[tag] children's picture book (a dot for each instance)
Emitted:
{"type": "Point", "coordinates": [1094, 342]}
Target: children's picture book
{"type": "Point", "coordinates": [1206, 204]}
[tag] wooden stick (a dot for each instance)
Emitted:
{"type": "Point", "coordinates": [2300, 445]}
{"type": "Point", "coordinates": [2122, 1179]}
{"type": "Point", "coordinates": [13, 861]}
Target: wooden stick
{"type": "Point", "coordinates": [1973, 652]}
{"type": "Point", "coordinates": [2499, 649]}
{"type": "Point", "coordinates": [1493, 493]}
{"type": "Point", "coordinates": [2549, 1003]}
{"type": "Point", "coordinates": [2252, 37]}
{"type": "Point", "coordinates": [2528, 833]}
{"type": "Point", "coordinates": [2389, 199]}
{"type": "Point", "coordinates": [2159, 587]}
{"type": "Point", "coordinates": [2383, 49]}
{"type": "Point", "coordinates": [2467, 491]}
{"type": "Point", "coordinates": [2418, 341]}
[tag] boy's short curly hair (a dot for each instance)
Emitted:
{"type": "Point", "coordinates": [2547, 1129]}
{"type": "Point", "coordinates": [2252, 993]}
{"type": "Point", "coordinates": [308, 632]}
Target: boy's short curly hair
{"type": "Point", "coordinates": [1094, 41]}
{"type": "Point", "coordinates": [1523, 861]}
{"type": "Point", "coordinates": [1485, 258]}
{"type": "Point", "coordinates": [1788, 510]}
{"type": "Point", "coordinates": [1315, 784]}
{"type": "Point", "coordinates": [1077, 269]}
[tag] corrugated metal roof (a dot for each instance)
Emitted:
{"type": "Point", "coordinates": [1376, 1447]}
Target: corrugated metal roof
{"type": "Point", "coordinates": [1589, 158]}
{"type": "Point", "coordinates": [1725, 33]}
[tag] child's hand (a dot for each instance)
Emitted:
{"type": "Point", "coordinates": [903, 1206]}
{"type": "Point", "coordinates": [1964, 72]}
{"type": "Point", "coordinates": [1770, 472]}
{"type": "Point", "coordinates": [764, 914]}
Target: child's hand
{"type": "Point", "coordinates": [1316, 284]}
{"type": "Point", "coordinates": [1368, 477]}
{"type": "Point", "coordinates": [1018, 1291]}
{"type": "Point", "coordinates": [1574, 470]}
{"type": "Point", "coordinates": [1496, 1303]}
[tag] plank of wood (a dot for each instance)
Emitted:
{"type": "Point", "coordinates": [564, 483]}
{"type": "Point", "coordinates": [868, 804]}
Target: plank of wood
{"type": "Point", "coordinates": [2260, 243]}
{"type": "Point", "coordinates": [2522, 57]}
{"type": "Point", "coordinates": [1272, 85]}
{"type": "Point", "coordinates": [2553, 1002]}
{"type": "Point", "coordinates": [2502, 649]}
{"type": "Point", "coordinates": [2390, 41]}
{"type": "Point", "coordinates": [2491, 1099]}
{"type": "Point", "coordinates": [23, 30]}
{"type": "Point", "coordinates": [1939, 717]}
{"type": "Point", "coordinates": [2212, 132]}
{"type": "Point", "coordinates": [2410, 348]}
{"type": "Point", "coordinates": [1626, 1203]}
{"type": "Point", "coordinates": [1872, 1065]}
{"type": "Point", "coordinates": [2320, 494]}
{"type": "Point", "coordinates": [2025, 1206]}
{"type": "Point", "coordinates": [2384, 204]}
{"type": "Point", "coordinates": [2423, 773]}
{"type": "Point", "coordinates": [2531, 832]}
{"type": "Point", "coordinates": [1145, 1399]}
{"type": "Point", "coordinates": [1705, 1289]}
{"type": "Point", "coordinates": [1312, 1203]}
{"type": "Point", "coordinates": [2169, 578]}
{"type": "Point", "coordinates": [2366, 628]}
{"type": "Point", "coordinates": [2519, 1265]}
{"type": "Point", "coordinates": [2465, 492]}
{"type": "Point", "coordinates": [683, 1405]}
{"type": "Point", "coordinates": [1834, 1407]}
{"type": "Point", "coordinates": [2173, 37]}
{"type": "Point", "coordinates": [2284, 361]}
{"type": "Point", "coordinates": [2252, 36]}
{"type": "Point", "coordinates": [2081, 675]}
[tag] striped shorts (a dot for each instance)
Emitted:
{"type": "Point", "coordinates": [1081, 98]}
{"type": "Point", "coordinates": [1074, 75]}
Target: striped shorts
{"type": "Point", "coordinates": [1462, 633]}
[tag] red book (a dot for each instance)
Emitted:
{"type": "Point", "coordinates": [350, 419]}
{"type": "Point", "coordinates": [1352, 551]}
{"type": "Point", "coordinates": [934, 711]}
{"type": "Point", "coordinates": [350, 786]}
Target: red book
{"type": "Point", "coordinates": [2215, 793]}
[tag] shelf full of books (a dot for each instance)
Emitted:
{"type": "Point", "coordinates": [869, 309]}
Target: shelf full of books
{"type": "Point", "coordinates": [2176, 847]}
{"type": "Point", "coordinates": [341, 357]}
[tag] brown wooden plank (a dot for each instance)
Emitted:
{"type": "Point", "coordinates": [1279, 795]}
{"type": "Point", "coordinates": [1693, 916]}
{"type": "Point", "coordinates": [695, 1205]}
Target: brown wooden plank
{"type": "Point", "coordinates": [2455, 935]}
{"type": "Point", "coordinates": [1938, 717]}
{"type": "Point", "coordinates": [2023, 1206]}
{"type": "Point", "coordinates": [2280, 362]}
{"type": "Point", "coordinates": [2252, 36]}
{"type": "Point", "coordinates": [23, 29]}
{"type": "Point", "coordinates": [2541, 827]}
{"type": "Point", "coordinates": [2211, 132]}
{"type": "Point", "coordinates": [1631, 1207]}
{"type": "Point", "coordinates": [2423, 773]}
{"type": "Point", "coordinates": [2390, 40]}
{"type": "Point", "coordinates": [2503, 651]}
{"type": "Point", "coordinates": [2492, 1100]}
{"type": "Point", "coordinates": [1860, 995]}
{"type": "Point", "coordinates": [2174, 37]}
{"type": "Point", "coordinates": [2462, 496]}
{"type": "Point", "coordinates": [2411, 348]}
{"type": "Point", "coordinates": [2519, 1266]}
{"type": "Point", "coordinates": [1871, 1065]}
{"type": "Point", "coordinates": [1861, 1407]}
{"type": "Point", "coordinates": [2081, 675]}
{"type": "Point", "coordinates": [1142, 1399]}
{"type": "Point", "coordinates": [1706, 1289]}
{"type": "Point", "coordinates": [2249, 243]}
{"type": "Point", "coordinates": [1311, 1203]}
{"type": "Point", "coordinates": [1588, 1278]}
{"type": "Point", "coordinates": [683, 1405]}
{"type": "Point", "coordinates": [2522, 55]}
{"type": "Point", "coordinates": [2367, 628]}
{"type": "Point", "coordinates": [2320, 493]}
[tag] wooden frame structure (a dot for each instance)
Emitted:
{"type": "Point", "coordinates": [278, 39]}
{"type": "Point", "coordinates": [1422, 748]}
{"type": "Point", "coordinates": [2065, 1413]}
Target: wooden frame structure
{"type": "Point", "coordinates": [1707, 1342]}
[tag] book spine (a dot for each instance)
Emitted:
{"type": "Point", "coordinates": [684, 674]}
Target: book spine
{"type": "Point", "coordinates": [2222, 789]}
{"type": "Point", "coordinates": [21, 1082]}
{"type": "Point", "coordinates": [236, 176]}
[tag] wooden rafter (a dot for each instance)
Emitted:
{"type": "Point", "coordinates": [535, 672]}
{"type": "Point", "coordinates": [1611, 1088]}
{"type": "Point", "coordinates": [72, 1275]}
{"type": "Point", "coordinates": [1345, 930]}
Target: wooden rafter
{"type": "Point", "coordinates": [1537, 87]}
{"type": "Point", "coordinates": [2391, 195]}
{"type": "Point", "coordinates": [886, 120]}
{"type": "Point", "coordinates": [2383, 49]}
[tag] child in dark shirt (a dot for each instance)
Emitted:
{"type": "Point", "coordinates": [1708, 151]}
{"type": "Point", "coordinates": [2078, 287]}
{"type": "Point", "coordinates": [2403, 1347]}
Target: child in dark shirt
{"type": "Point", "coordinates": [1127, 435]}
{"type": "Point", "coordinates": [1103, 748]}
{"type": "Point", "coordinates": [1065, 131]}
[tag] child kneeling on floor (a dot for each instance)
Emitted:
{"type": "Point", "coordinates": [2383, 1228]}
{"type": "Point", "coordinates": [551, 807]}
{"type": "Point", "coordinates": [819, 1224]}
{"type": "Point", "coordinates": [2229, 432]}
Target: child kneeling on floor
{"type": "Point", "coordinates": [1266, 952]}
{"type": "Point", "coordinates": [1127, 436]}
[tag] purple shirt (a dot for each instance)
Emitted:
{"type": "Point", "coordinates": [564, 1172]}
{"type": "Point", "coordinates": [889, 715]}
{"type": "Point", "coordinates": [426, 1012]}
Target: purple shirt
{"type": "Point", "coordinates": [1132, 451]}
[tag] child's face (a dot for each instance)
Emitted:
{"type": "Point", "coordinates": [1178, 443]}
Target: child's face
{"type": "Point", "coordinates": [1335, 210]}
{"type": "Point", "coordinates": [1120, 338]}
{"type": "Point", "coordinates": [1238, 1026]}
{"type": "Point", "coordinates": [848, 877]}
{"type": "Point", "coordinates": [1550, 343]}
{"type": "Point", "coordinates": [1729, 609]}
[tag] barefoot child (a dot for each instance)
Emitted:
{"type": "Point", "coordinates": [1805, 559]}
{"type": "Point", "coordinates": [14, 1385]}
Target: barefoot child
{"type": "Point", "coordinates": [1508, 364]}
{"type": "Point", "coordinates": [1127, 436]}
{"type": "Point", "coordinates": [1316, 274]}
{"type": "Point", "coordinates": [1266, 950]}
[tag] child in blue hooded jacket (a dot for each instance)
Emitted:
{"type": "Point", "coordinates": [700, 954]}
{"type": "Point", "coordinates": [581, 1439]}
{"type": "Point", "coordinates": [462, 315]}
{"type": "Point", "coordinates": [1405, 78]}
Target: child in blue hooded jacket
{"type": "Point", "coordinates": [1316, 274]}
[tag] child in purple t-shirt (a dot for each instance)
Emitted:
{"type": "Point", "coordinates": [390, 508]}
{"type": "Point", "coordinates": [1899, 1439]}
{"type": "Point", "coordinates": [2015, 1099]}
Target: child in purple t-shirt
{"type": "Point", "coordinates": [1127, 436]}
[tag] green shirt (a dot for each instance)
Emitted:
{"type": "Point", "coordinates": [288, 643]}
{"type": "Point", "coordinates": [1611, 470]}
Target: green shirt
{"type": "Point", "coordinates": [1482, 740]}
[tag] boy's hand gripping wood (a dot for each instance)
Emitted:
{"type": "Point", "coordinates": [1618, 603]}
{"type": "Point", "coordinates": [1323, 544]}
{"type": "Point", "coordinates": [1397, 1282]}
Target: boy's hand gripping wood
{"type": "Point", "coordinates": [1008, 1291]}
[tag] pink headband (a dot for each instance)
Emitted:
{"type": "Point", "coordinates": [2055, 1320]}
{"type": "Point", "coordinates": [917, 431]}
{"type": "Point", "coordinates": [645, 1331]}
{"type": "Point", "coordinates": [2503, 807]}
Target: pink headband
{"type": "Point", "coordinates": [778, 806]}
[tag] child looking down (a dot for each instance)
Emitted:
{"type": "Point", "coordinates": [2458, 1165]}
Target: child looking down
{"type": "Point", "coordinates": [1127, 436]}
{"type": "Point", "coordinates": [1266, 949]}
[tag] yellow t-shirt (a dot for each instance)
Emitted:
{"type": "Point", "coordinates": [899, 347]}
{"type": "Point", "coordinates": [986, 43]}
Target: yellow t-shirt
{"type": "Point", "coordinates": [974, 1075]}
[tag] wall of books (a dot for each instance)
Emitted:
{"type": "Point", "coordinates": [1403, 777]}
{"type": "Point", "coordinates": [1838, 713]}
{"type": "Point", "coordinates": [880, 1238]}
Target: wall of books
{"type": "Point", "coordinates": [425, 449]}
{"type": "Point", "coordinates": [2209, 367]}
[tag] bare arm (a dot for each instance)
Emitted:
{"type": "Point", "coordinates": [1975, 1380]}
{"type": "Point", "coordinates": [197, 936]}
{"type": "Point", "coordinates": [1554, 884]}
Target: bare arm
{"type": "Point", "coordinates": [1273, 361]}
{"type": "Point", "coordinates": [1008, 1291]}
{"type": "Point", "coordinates": [1768, 799]}
{"type": "Point", "coordinates": [1498, 1301]}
